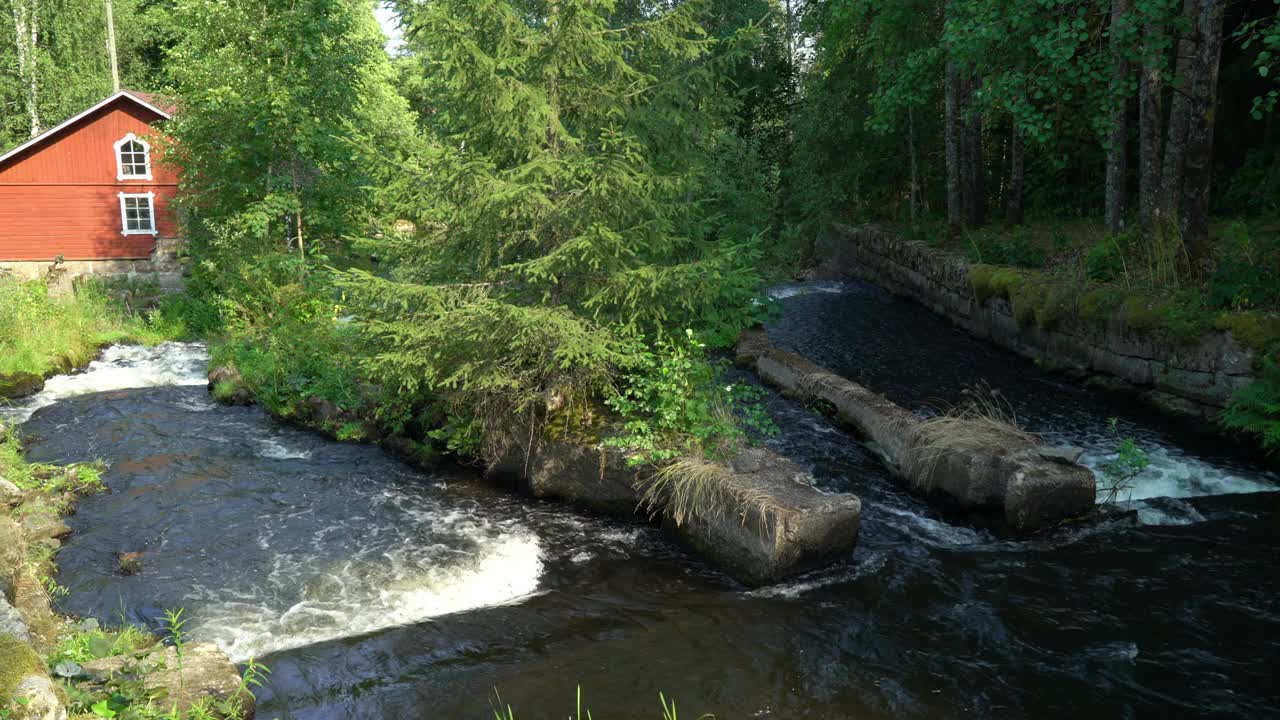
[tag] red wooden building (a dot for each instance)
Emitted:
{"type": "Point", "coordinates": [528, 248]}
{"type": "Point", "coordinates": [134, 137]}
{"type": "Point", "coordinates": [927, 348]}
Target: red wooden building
{"type": "Point", "coordinates": [90, 189]}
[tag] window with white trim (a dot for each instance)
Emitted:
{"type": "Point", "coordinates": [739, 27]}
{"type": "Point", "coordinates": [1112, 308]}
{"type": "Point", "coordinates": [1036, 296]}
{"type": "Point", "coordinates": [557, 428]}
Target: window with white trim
{"type": "Point", "coordinates": [138, 213]}
{"type": "Point", "coordinates": [133, 158]}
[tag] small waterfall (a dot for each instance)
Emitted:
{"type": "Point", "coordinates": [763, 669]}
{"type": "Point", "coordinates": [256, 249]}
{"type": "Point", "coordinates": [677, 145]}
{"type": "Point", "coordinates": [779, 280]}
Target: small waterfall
{"type": "Point", "coordinates": [118, 368]}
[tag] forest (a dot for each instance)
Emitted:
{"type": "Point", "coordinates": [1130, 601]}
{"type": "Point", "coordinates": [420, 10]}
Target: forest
{"type": "Point", "coordinates": [577, 178]}
{"type": "Point", "coordinates": [559, 217]}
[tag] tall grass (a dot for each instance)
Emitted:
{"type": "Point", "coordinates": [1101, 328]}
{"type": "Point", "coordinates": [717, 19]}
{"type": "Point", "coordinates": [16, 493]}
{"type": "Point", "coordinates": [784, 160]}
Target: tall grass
{"type": "Point", "coordinates": [42, 333]}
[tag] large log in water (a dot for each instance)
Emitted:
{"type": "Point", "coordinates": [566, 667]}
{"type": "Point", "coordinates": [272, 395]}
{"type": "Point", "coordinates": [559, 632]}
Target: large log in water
{"type": "Point", "coordinates": [1033, 486]}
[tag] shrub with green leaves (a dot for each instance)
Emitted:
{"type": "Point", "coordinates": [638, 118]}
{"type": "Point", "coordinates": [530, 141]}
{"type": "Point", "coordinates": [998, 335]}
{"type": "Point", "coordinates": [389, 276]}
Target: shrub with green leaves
{"type": "Point", "coordinates": [674, 402]}
{"type": "Point", "coordinates": [1248, 270]}
{"type": "Point", "coordinates": [1255, 408]}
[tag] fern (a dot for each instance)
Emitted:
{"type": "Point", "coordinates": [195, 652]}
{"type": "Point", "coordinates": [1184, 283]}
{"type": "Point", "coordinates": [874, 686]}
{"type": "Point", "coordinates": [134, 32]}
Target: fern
{"type": "Point", "coordinates": [1255, 408]}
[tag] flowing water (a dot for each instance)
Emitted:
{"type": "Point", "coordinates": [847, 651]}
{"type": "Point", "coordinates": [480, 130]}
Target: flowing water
{"type": "Point", "coordinates": [374, 591]}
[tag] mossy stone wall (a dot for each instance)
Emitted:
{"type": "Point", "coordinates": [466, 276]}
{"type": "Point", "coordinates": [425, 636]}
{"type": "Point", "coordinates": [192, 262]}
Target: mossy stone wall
{"type": "Point", "coordinates": [1187, 377]}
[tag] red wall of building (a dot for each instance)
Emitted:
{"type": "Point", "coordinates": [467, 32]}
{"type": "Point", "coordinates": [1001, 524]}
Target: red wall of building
{"type": "Point", "coordinates": [60, 196]}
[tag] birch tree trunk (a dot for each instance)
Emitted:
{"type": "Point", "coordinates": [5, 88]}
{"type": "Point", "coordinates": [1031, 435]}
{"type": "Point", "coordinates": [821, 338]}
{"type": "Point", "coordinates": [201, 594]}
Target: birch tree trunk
{"type": "Point", "coordinates": [1149, 110]}
{"type": "Point", "coordinates": [1179, 115]}
{"type": "Point", "coordinates": [26, 22]}
{"type": "Point", "coordinates": [1199, 152]}
{"type": "Point", "coordinates": [1117, 155]}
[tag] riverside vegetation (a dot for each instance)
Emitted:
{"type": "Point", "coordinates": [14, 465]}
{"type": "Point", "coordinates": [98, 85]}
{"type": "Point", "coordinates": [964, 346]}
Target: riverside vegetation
{"type": "Point", "coordinates": [546, 216]}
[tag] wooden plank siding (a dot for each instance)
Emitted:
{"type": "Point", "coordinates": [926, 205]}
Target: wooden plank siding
{"type": "Point", "coordinates": [60, 196]}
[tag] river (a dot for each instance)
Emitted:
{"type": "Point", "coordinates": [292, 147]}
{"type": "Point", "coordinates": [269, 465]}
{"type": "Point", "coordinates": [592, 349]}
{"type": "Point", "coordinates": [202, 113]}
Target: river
{"type": "Point", "coordinates": [373, 591]}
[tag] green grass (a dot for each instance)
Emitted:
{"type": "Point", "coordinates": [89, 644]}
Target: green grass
{"type": "Point", "coordinates": [41, 334]}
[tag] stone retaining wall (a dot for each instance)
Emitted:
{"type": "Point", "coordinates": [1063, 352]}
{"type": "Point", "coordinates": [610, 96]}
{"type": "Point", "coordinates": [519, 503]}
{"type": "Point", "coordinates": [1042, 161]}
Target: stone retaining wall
{"type": "Point", "coordinates": [1194, 379]}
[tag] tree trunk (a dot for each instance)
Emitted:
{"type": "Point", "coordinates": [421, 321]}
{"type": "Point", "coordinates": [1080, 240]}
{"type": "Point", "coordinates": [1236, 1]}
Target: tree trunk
{"type": "Point", "coordinates": [26, 35]}
{"type": "Point", "coordinates": [952, 136]}
{"type": "Point", "coordinates": [1013, 210]}
{"type": "Point", "coordinates": [1149, 106]}
{"type": "Point", "coordinates": [911, 152]}
{"type": "Point", "coordinates": [1199, 152]}
{"type": "Point", "coordinates": [974, 178]}
{"type": "Point", "coordinates": [1179, 117]}
{"type": "Point", "coordinates": [111, 49]}
{"type": "Point", "coordinates": [1117, 155]}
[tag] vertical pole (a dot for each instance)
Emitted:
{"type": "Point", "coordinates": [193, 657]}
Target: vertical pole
{"type": "Point", "coordinates": [111, 49]}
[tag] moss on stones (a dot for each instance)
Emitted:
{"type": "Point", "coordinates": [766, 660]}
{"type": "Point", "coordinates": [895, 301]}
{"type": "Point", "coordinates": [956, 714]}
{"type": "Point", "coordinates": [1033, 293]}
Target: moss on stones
{"type": "Point", "coordinates": [996, 281]}
{"type": "Point", "coordinates": [1253, 330]}
{"type": "Point", "coordinates": [17, 661]}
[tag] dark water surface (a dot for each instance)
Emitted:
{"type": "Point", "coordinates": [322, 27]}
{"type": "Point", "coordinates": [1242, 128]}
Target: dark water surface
{"type": "Point", "coordinates": [372, 591]}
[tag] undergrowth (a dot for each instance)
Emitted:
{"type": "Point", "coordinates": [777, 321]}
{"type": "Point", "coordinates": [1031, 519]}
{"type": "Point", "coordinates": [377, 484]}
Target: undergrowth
{"type": "Point", "coordinates": [42, 333]}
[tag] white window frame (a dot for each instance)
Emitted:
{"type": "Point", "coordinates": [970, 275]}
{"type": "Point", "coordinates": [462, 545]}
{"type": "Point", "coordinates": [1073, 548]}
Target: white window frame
{"type": "Point", "coordinates": [146, 149]}
{"type": "Point", "coordinates": [124, 217]}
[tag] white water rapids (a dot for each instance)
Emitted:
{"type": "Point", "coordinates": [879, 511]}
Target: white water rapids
{"type": "Point", "coordinates": [316, 561]}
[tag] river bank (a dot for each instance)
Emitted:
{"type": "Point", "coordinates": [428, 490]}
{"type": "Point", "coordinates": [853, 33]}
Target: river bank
{"type": "Point", "coordinates": [52, 664]}
{"type": "Point", "coordinates": [1194, 378]}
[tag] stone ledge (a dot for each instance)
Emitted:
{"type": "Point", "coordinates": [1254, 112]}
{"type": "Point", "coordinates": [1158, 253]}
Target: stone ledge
{"type": "Point", "coordinates": [794, 528]}
{"type": "Point", "coordinates": [1194, 380]}
{"type": "Point", "coordinates": [1033, 487]}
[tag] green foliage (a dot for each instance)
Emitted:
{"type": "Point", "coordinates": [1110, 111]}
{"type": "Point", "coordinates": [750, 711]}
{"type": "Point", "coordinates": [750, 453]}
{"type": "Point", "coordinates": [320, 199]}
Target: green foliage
{"type": "Point", "coordinates": [128, 693]}
{"type": "Point", "coordinates": [576, 188]}
{"type": "Point", "coordinates": [1130, 462]}
{"type": "Point", "coordinates": [1105, 261]}
{"type": "Point", "coordinates": [71, 67]}
{"type": "Point", "coordinates": [289, 340]}
{"type": "Point", "coordinates": [1255, 187]}
{"type": "Point", "coordinates": [1256, 330]}
{"type": "Point", "coordinates": [1013, 247]}
{"type": "Point", "coordinates": [42, 333]}
{"type": "Point", "coordinates": [674, 402]}
{"type": "Point", "coordinates": [1255, 408]}
{"type": "Point", "coordinates": [1248, 270]}
{"type": "Point", "coordinates": [273, 94]}
{"type": "Point", "coordinates": [93, 643]}
{"type": "Point", "coordinates": [51, 481]}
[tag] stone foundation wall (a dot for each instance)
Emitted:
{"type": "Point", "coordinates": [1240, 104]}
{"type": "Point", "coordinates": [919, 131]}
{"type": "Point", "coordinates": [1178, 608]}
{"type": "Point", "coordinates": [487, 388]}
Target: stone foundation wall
{"type": "Point", "coordinates": [164, 267]}
{"type": "Point", "coordinates": [1195, 379]}
{"type": "Point", "coordinates": [766, 523]}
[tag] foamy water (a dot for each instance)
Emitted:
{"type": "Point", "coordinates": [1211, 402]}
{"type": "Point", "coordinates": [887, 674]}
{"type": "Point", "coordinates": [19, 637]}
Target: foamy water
{"type": "Point", "coordinates": [326, 562]}
{"type": "Point", "coordinates": [387, 582]}
{"type": "Point", "coordinates": [782, 292]}
{"type": "Point", "coordinates": [120, 367]}
{"type": "Point", "coordinates": [1173, 474]}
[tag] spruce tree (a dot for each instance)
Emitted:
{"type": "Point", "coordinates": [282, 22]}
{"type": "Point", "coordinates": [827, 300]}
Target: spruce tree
{"type": "Point", "coordinates": [573, 199]}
